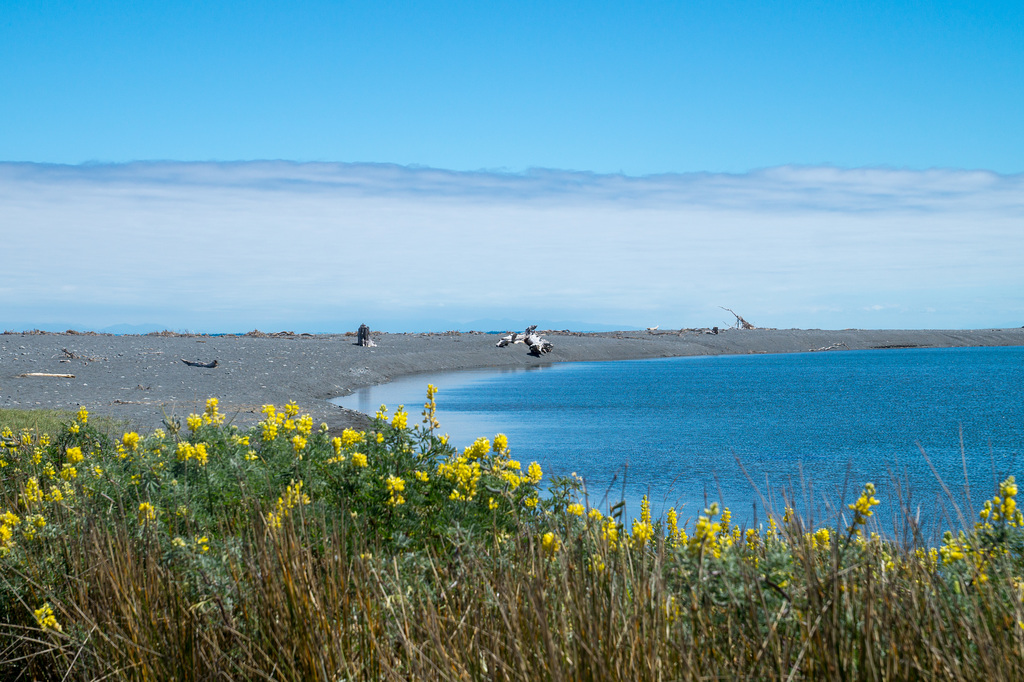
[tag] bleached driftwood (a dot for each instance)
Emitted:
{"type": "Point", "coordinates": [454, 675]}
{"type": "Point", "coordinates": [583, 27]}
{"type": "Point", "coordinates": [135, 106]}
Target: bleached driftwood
{"type": "Point", "coordinates": [740, 322]}
{"type": "Point", "coordinates": [514, 337]}
{"type": "Point", "coordinates": [834, 346]}
{"type": "Point", "coordinates": [363, 338]}
{"type": "Point", "coordinates": [46, 374]}
{"type": "Point", "coordinates": [537, 344]}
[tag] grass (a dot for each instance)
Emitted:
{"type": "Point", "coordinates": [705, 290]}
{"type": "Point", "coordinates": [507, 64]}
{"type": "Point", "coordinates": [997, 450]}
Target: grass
{"type": "Point", "coordinates": [51, 421]}
{"type": "Point", "coordinates": [285, 553]}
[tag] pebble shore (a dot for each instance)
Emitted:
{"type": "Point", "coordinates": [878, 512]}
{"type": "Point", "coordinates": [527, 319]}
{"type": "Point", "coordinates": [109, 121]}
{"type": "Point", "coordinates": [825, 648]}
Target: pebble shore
{"type": "Point", "coordinates": [143, 379]}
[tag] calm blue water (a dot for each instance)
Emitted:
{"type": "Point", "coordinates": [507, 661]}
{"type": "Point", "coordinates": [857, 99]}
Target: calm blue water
{"type": "Point", "coordinates": [814, 426]}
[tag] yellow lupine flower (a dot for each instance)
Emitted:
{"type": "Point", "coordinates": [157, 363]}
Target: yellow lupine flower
{"type": "Point", "coordinates": [534, 472]}
{"type": "Point", "coordinates": [46, 618]}
{"type": "Point", "coordinates": [396, 486]}
{"type": "Point", "coordinates": [298, 443]}
{"type": "Point", "coordinates": [194, 421]}
{"type": "Point", "coordinates": [68, 472]}
{"type": "Point", "coordinates": [131, 441]}
{"type": "Point", "coordinates": [500, 444]}
{"type": "Point", "coordinates": [33, 493]}
{"type": "Point", "coordinates": [75, 455]}
{"type": "Point", "coordinates": [147, 512]}
{"type": "Point", "coordinates": [550, 543]}
{"type": "Point", "coordinates": [575, 509]}
{"type": "Point", "coordinates": [351, 437]}
{"type": "Point", "coordinates": [82, 415]}
{"type": "Point", "coordinates": [401, 419]}
{"type": "Point", "coordinates": [359, 459]}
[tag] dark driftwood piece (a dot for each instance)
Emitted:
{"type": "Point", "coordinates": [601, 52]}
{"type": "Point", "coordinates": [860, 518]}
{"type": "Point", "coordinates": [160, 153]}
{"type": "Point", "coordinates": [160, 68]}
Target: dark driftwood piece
{"type": "Point", "coordinates": [363, 337]}
{"type": "Point", "coordinates": [208, 365]}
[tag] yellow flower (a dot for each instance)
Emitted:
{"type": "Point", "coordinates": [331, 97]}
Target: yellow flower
{"type": "Point", "coordinates": [291, 409]}
{"type": "Point", "coordinates": [534, 472]}
{"type": "Point", "coordinates": [68, 472]}
{"type": "Point", "coordinates": [194, 422]}
{"type": "Point", "coordinates": [500, 443]}
{"type": "Point", "coordinates": [401, 419]}
{"type": "Point", "coordinates": [642, 532]}
{"type": "Point", "coordinates": [179, 542]}
{"type": "Point", "coordinates": [200, 453]}
{"type": "Point", "coordinates": [479, 448]}
{"type": "Point", "coordinates": [96, 471]}
{"type": "Point", "coordinates": [83, 415]}
{"type": "Point", "coordinates": [492, 504]}
{"type": "Point", "coordinates": [269, 429]}
{"type": "Point", "coordinates": [146, 512]}
{"type": "Point", "coordinates": [251, 456]}
{"type": "Point", "coordinates": [211, 414]}
{"type": "Point", "coordinates": [550, 543]}
{"type": "Point", "coordinates": [75, 455]}
{"type": "Point", "coordinates": [380, 437]}
{"type": "Point", "coordinates": [531, 502]}
{"type": "Point", "coordinates": [73, 427]}
{"type": "Point", "coordinates": [131, 441]}
{"type": "Point", "coordinates": [202, 543]}
{"type": "Point", "coordinates": [862, 507]}
{"type": "Point", "coordinates": [421, 476]}
{"type": "Point", "coordinates": [298, 444]}
{"type": "Point", "coordinates": [396, 486]}
{"type": "Point", "coordinates": [822, 539]}
{"type": "Point", "coordinates": [33, 493]}
{"type": "Point", "coordinates": [46, 618]}
{"type": "Point", "coordinates": [595, 514]}
{"type": "Point", "coordinates": [575, 509]}
{"type": "Point", "coordinates": [351, 437]}
{"type": "Point", "coordinates": [359, 459]}
{"type": "Point", "coordinates": [49, 471]}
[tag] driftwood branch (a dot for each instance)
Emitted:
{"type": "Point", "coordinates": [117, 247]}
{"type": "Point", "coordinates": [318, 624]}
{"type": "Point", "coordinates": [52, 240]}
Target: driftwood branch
{"type": "Point", "coordinates": [46, 374]}
{"type": "Point", "coordinates": [740, 322]}
{"type": "Point", "coordinates": [207, 365]}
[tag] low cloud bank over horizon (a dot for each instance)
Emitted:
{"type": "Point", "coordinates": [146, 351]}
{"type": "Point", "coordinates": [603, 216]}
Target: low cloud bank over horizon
{"type": "Point", "coordinates": [322, 247]}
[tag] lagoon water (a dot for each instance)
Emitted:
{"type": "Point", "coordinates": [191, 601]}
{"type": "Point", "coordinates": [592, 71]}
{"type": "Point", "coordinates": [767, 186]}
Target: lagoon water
{"type": "Point", "coordinates": [811, 426]}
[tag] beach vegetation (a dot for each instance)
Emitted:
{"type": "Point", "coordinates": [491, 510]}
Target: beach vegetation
{"type": "Point", "coordinates": [281, 551]}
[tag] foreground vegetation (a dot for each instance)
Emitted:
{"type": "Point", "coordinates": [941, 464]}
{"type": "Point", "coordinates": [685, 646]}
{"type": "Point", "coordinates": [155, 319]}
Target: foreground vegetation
{"type": "Point", "coordinates": [201, 551]}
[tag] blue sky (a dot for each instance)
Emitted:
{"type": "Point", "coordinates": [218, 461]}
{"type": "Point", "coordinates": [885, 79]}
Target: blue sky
{"type": "Point", "coordinates": [792, 119]}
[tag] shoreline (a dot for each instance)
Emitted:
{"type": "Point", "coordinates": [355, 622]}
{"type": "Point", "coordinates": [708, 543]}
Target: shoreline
{"type": "Point", "coordinates": [140, 379]}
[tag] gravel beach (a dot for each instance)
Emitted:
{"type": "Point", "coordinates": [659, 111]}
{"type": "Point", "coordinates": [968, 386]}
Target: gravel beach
{"type": "Point", "coordinates": [143, 379]}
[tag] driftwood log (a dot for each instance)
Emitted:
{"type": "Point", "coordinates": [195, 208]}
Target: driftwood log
{"type": "Point", "coordinates": [207, 365]}
{"type": "Point", "coordinates": [537, 344]}
{"type": "Point", "coordinates": [363, 337]}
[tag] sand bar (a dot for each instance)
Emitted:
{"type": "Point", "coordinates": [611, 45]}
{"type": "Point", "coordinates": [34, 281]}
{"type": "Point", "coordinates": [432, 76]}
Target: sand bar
{"type": "Point", "coordinates": [142, 378]}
